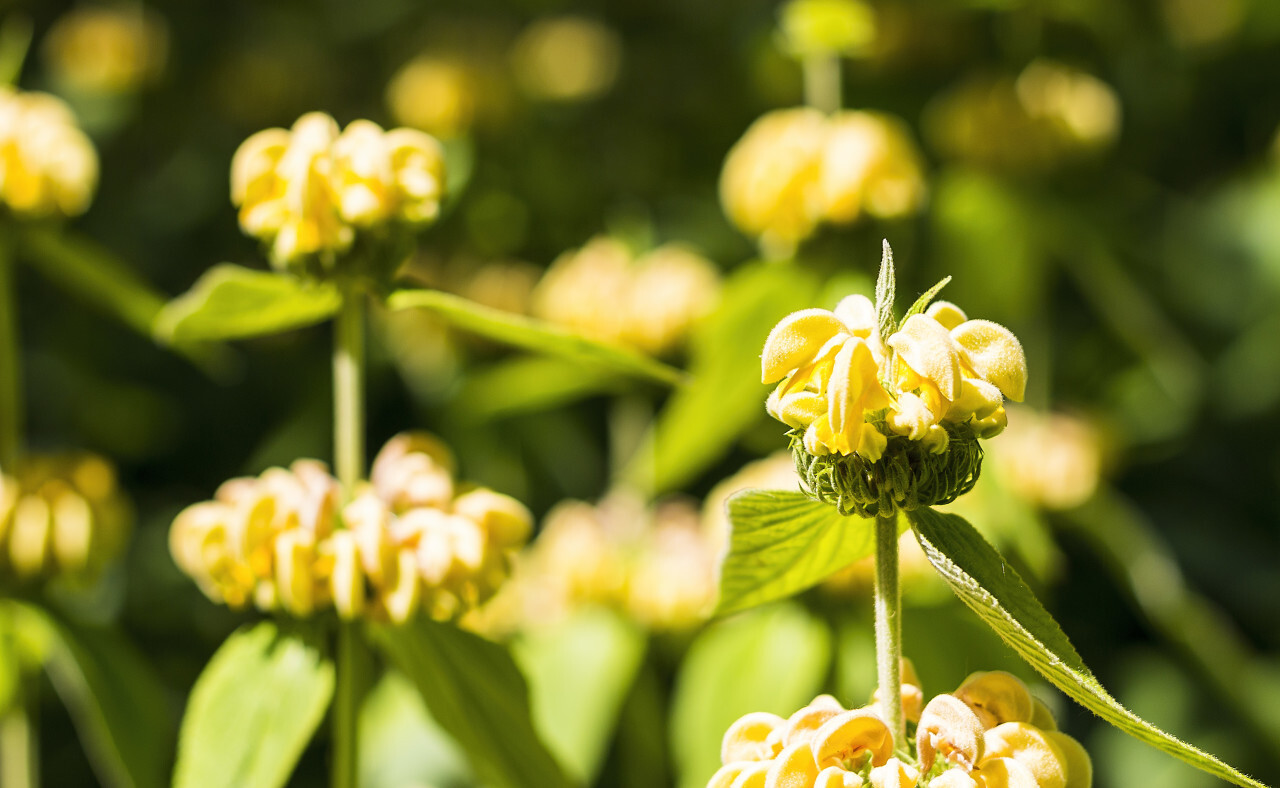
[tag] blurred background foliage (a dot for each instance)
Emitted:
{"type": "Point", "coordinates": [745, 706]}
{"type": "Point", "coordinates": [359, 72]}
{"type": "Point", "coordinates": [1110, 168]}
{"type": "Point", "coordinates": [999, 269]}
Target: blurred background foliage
{"type": "Point", "coordinates": [1131, 240]}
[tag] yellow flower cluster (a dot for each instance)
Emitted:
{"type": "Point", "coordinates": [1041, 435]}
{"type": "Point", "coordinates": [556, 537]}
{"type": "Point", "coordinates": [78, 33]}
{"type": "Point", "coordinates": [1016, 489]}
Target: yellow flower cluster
{"type": "Point", "coordinates": [657, 565]}
{"type": "Point", "coordinates": [308, 191]}
{"type": "Point", "coordinates": [796, 168]}
{"type": "Point", "coordinates": [990, 733]}
{"type": "Point", "coordinates": [1050, 114]}
{"type": "Point", "coordinates": [107, 50]}
{"type": "Point", "coordinates": [60, 516]}
{"type": "Point", "coordinates": [849, 389]}
{"type": "Point", "coordinates": [648, 302]}
{"type": "Point", "coordinates": [48, 166]}
{"type": "Point", "coordinates": [410, 540]}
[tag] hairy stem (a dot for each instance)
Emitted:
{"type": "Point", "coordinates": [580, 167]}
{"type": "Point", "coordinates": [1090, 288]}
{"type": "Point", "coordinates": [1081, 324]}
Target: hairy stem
{"type": "Point", "coordinates": [888, 611]}
{"type": "Point", "coordinates": [11, 416]}
{"type": "Point", "coordinates": [348, 438]}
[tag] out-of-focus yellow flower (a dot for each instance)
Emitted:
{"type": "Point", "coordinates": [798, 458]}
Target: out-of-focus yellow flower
{"type": "Point", "coordinates": [106, 49]}
{"type": "Point", "coordinates": [1049, 115]}
{"type": "Point", "coordinates": [48, 166]}
{"type": "Point", "coordinates": [649, 302]}
{"type": "Point", "coordinates": [433, 94]}
{"type": "Point", "coordinates": [307, 191]}
{"type": "Point", "coordinates": [796, 168]}
{"type": "Point", "coordinates": [566, 58]}
{"type": "Point", "coordinates": [1067, 454]}
{"type": "Point", "coordinates": [824, 745]}
{"type": "Point", "coordinates": [826, 27]}
{"type": "Point", "coordinates": [60, 517]}
{"type": "Point", "coordinates": [404, 543]}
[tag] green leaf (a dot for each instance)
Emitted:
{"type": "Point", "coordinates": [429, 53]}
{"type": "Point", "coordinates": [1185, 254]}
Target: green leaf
{"type": "Point", "coordinates": [253, 710]}
{"type": "Point", "coordinates": [702, 420]}
{"type": "Point", "coordinates": [231, 302]}
{"type": "Point", "coordinates": [531, 383]}
{"type": "Point", "coordinates": [886, 284]}
{"type": "Point", "coordinates": [773, 659]}
{"type": "Point", "coordinates": [535, 335]}
{"type": "Point", "coordinates": [991, 588]}
{"type": "Point", "coordinates": [579, 673]}
{"type": "Point", "coordinates": [475, 692]}
{"type": "Point", "coordinates": [401, 745]}
{"type": "Point", "coordinates": [119, 708]}
{"type": "Point", "coordinates": [784, 542]}
{"type": "Point", "coordinates": [922, 303]}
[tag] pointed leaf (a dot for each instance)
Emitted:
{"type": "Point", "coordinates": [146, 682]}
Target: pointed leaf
{"type": "Point", "coordinates": [119, 709]}
{"type": "Point", "coordinates": [231, 302]}
{"type": "Point", "coordinates": [253, 710]}
{"type": "Point", "coordinates": [784, 542]}
{"type": "Point", "coordinates": [886, 284]}
{"type": "Point", "coordinates": [475, 692]}
{"type": "Point", "coordinates": [702, 420]}
{"type": "Point", "coordinates": [401, 745]}
{"type": "Point", "coordinates": [580, 671]}
{"type": "Point", "coordinates": [535, 335]}
{"type": "Point", "coordinates": [984, 582]}
{"type": "Point", "coordinates": [926, 298]}
{"type": "Point", "coordinates": [772, 659]}
{"type": "Point", "coordinates": [531, 383]}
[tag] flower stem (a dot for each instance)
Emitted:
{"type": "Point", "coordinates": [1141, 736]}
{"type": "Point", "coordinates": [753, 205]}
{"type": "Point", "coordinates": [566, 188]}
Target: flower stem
{"type": "Point", "coordinates": [822, 82]}
{"type": "Point", "coordinates": [19, 765]}
{"type": "Point", "coordinates": [348, 437]}
{"type": "Point", "coordinates": [11, 415]}
{"type": "Point", "coordinates": [888, 611]}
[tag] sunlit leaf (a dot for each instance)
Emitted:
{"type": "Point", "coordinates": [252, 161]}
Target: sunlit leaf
{"type": "Point", "coordinates": [532, 383]}
{"type": "Point", "coordinates": [401, 745]}
{"type": "Point", "coordinates": [474, 691]}
{"type": "Point", "coordinates": [992, 589]}
{"type": "Point", "coordinates": [231, 302]}
{"type": "Point", "coordinates": [535, 335]}
{"type": "Point", "coordinates": [579, 671]}
{"type": "Point", "coordinates": [702, 421]}
{"type": "Point", "coordinates": [253, 710]}
{"type": "Point", "coordinates": [119, 707]}
{"type": "Point", "coordinates": [784, 542]}
{"type": "Point", "coordinates": [773, 659]}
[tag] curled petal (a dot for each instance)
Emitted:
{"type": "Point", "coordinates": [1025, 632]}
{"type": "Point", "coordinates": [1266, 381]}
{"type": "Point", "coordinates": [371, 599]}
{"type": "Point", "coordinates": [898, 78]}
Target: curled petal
{"type": "Point", "coordinates": [1030, 747]}
{"type": "Point", "coordinates": [295, 578]}
{"type": "Point", "coordinates": [996, 697]}
{"type": "Point", "coordinates": [911, 416]}
{"type": "Point", "coordinates": [802, 725]}
{"type": "Point", "coordinates": [725, 775]}
{"type": "Point", "coordinates": [894, 774]}
{"type": "Point", "coordinates": [858, 315]}
{"type": "Point", "coordinates": [855, 385]}
{"type": "Point", "coordinates": [992, 425]}
{"type": "Point", "coordinates": [835, 777]}
{"type": "Point", "coordinates": [403, 592]}
{"type": "Point", "coordinates": [505, 521]}
{"type": "Point", "coordinates": [872, 443]}
{"type": "Point", "coordinates": [1079, 765]}
{"type": "Point", "coordinates": [954, 778]}
{"type": "Point", "coordinates": [797, 409]}
{"type": "Point", "coordinates": [753, 775]}
{"type": "Point", "coordinates": [948, 727]}
{"type": "Point", "coordinates": [793, 768]}
{"type": "Point", "coordinates": [346, 579]}
{"type": "Point", "coordinates": [978, 399]}
{"type": "Point", "coordinates": [746, 738]}
{"type": "Point", "coordinates": [928, 350]}
{"type": "Point", "coordinates": [851, 735]}
{"type": "Point", "coordinates": [946, 313]}
{"type": "Point", "coordinates": [1041, 716]}
{"type": "Point", "coordinates": [995, 354]}
{"type": "Point", "coordinates": [1006, 773]}
{"type": "Point", "coordinates": [795, 341]}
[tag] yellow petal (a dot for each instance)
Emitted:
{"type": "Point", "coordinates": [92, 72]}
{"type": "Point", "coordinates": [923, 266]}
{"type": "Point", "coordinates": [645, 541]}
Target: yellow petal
{"type": "Point", "coordinates": [835, 777]}
{"type": "Point", "coordinates": [946, 313]}
{"type": "Point", "coordinates": [346, 579]}
{"type": "Point", "coordinates": [802, 725]}
{"type": "Point", "coordinates": [295, 580]}
{"type": "Point", "coordinates": [725, 775]}
{"type": "Point", "coordinates": [404, 593]}
{"type": "Point", "coordinates": [872, 443]}
{"type": "Point", "coordinates": [1006, 773]}
{"type": "Point", "coordinates": [949, 728]}
{"type": "Point", "coordinates": [745, 740]}
{"type": "Point", "coordinates": [954, 778]}
{"type": "Point", "coordinates": [978, 399]}
{"type": "Point", "coordinates": [798, 409]}
{"type": "Point", "coordinates": [928, 350]}
{"type": "Point", "coordinates": [752, 775]}
{"type": "Point", "coordinates": [506, 521]}
{"type": "Point", "coordinates": [995, 354]}
{"type": "Point", "coordinates": [1041, 716]}
{"type": "Point", "coordinates": [1079, 765]}
{"type": "Point", "coordinates": [996, 696]}
{"type": "Point", "coordinates": [894, 774]}
{"type": "Point", "coordinates": [992, 425]}
{"type": "Point", "coordinates": [795, 341]}
{"type": "Point", "coordinates": [858, 315]}
{"type": "Point", "coordinates": [72, 530]}
{"type": "Point", "coordinates": [1029, 746]}
{"type": "Point", "coordinates": [852, 735]}
{"type": "Point", "coordinates": [29, 536]}
{"type": "Point", "coordinates": [910, 416]}
{"type": "Point", "coordinates": [855, 385]}
{"type": "Point", "coordinates": [794, 767]}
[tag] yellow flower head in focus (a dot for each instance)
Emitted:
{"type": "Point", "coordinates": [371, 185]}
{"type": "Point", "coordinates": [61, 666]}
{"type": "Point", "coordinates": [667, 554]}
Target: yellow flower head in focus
{"type": "Point", "coordinates": [48, 167]}
{"type": "Point", "coordinates": [311, 193]}
{"type": "Point", "coordinates": [858, 387]}
{"type": "Point", "coordinates": [794, 169]}
{"type": "Point", "coordinates": [409, 541]}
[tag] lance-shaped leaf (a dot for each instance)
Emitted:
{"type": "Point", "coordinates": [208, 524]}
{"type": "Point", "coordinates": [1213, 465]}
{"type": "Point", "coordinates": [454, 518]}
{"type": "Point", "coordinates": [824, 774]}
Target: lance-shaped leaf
{"type": "Point", "coordinates": [475, 692]}
{"type": "Point", "coordinates": [232, 302]}
{"type": "Point", "coordinates": [535, 335]}
{"type": "Point", "coordinates": [784, 542]}
{"type": "Point", "coordinates": [253, 710]}
{"type": "Point", "coordinates": [983, 581]}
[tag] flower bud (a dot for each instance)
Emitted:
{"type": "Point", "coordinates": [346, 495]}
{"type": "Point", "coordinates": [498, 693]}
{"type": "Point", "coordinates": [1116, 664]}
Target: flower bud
{"type": "Point", "coordinates": [949, 728]}
{"type": "Point", "coordinates": [745, 740]}
{"type": "Point", "coordinates": [996, 697]}
{"type": "Point", "coordinates": [1031, 748]}
{"type": "Point", "coordinates": [47, 164]}
{"type": "Point", "coordinates": [851, 736]}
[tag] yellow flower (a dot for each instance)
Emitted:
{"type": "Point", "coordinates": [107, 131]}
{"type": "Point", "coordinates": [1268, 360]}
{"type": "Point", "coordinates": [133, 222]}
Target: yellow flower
{"type": "Point", "coordinates": [47, 164]}
{"type": "Point", "coordinates": [434, 95]}
{"type": "Point", "coordinates": [870, 165]}
{"type": "Point", "coordinates": [106, 50]}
